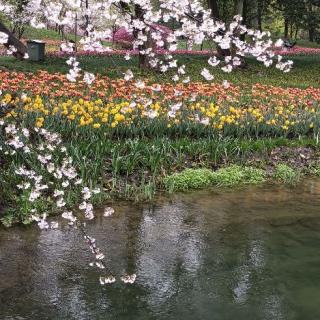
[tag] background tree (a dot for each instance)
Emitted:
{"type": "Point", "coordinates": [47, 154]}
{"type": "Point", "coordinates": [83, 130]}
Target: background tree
{"type": "Point", "coordinates": [296, 15]}
{"type": "Point", "coordinates": [18, 19]}
{"type": "Point", "coordinates": [311, 18]}
{"type": "Point", "coordinates": [13, 44]}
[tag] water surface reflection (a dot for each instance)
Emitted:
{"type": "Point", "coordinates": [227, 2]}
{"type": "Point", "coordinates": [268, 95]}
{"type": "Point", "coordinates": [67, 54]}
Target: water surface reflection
{"type": "Point", "coordinates": [250, 253]}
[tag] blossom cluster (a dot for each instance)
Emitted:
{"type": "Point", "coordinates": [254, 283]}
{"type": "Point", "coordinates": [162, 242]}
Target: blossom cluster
{"type": "Point", "coordinates": [50, 178]}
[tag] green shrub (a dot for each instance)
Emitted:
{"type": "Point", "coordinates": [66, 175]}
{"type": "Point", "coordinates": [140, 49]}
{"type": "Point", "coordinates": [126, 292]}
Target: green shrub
{"type": "Point", "coordinates": [286, 174]}
{"type": "Point", "coordinates": [235, 175]}
{"type": "Point", "coordinates": [189, 179]}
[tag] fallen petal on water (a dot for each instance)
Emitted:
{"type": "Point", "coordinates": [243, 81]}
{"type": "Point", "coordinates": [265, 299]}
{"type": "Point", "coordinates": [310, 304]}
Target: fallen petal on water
{"type": "Point", "coordinates": [100, 265]}
{"type": "Point", "coordinates": [100, 256]}
{"type": "Point", "coordinates": [54, 225]}
{"type": "Point", "coordinates": [129, 278]}
{"type": "Point", "coordinates": [108, 212]}
{"type": "Point", "coordinates": [107, 280]}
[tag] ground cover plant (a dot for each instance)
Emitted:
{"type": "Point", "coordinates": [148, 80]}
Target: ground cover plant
{"type": "Point", "coordinates": [233, 175]}
{"type": "Point", "coordinates": [286, 174]}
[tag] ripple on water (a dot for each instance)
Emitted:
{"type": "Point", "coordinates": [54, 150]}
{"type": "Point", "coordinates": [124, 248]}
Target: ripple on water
{"type": "Point", "coordinates": [250, 253]}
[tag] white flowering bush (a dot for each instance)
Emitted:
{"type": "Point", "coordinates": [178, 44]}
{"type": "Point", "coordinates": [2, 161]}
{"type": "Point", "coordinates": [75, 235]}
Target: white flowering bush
{"type": "Point", "coordinates": [46, 173]}
{"type": "Point", "coordinates": [47, 180]}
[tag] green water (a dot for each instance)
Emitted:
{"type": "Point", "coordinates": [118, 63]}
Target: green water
{"type": "Point", "coordinates": [252, 253]}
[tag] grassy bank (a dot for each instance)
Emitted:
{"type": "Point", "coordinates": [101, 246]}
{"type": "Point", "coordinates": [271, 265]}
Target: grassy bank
{"type": "Point", "coordinates": [137, 169]}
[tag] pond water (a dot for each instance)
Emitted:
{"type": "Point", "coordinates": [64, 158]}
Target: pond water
{"type": "Point", "coordinates": [251, 253]}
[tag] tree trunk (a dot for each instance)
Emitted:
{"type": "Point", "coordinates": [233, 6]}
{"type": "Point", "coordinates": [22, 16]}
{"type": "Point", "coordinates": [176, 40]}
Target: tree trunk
{"type": "Point", "coordinates": [311, 35]}
{"type": "Point", "coordinates": [311, 27]}
{"type": "Point", "coordinates": [244, 17]}
{"type": "Point", "coordinates": [238, 7]}
{"type": "Point", "coordinates": [241, 9]}
{"type": "Point", "coordinates": [13, 41]}
{"type": "Point", "coordinates": [254, 23]}
{"type": "Point", "coordinates": [286, 28]}
{"type": "Point", "coordinates": [87, 18]}
{"type": "Point", "coordinates": [261, 4]}
{"type": "Point", "coordinates": [213, 5]}
{"type": "Point", "coordinates": [138, 14]}
{"type": "Point", "coordinates": [143, 59]}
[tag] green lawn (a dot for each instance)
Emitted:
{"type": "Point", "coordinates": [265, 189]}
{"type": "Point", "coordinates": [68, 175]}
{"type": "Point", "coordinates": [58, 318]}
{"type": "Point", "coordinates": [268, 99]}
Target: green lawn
{"type": "Point", "coordinates": [305, 72]}
{"type": "Point", "coordinates": [307, 44]}
{"type": "Point", "coordinates": [40, 34]}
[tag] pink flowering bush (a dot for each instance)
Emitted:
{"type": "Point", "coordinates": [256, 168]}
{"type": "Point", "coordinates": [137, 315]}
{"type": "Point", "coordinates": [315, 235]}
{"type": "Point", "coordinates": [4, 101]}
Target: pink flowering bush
{"type": "Point", "coordinates": [123, 34]}
{"type": "Point", "coordinates": [124, 52]}
{"type": "Point", "coordinates": [298, 51]}
{"type": "Point", "coordinates": [125, 38]}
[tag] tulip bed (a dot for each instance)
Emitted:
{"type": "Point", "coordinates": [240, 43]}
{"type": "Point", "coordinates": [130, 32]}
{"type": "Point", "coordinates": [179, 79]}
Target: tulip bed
{"type": "Point", "coordinates": [120, 108]}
